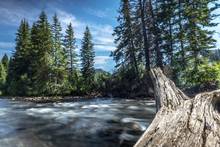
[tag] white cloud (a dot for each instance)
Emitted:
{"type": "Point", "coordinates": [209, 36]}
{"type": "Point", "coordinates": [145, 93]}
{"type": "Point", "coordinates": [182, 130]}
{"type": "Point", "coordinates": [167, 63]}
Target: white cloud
{"type": "Point", "coordinates": [100, 47]}
{"type": "Point", "coordinates": [103, 38]}
{"type": "Point", "coordinates": [97, 13]}
{"type": "Point", "coordinates": [14, 17]}
{"type": "Point", "coordinates": [100, 60]}
{"type": "Point", "coordinates": [7, 45]}
{"type": "Point", "coordinates": [9, 17]}
{"type": "Point", "coordinates": [67, 18]}
{"type": "Point", "coordinates": [102, 34]}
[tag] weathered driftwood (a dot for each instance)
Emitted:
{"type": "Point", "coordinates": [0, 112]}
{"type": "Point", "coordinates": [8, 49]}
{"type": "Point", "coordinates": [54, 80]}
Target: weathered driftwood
{"type": "Point", "coordinates": [181, 121]}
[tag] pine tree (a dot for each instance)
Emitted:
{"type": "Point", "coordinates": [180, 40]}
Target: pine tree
{"type": "Point", "coordinates": [154, 31]}
{"type": "Point", "coordinates": [180, 36]}
{"type": "Point", "coordinates": [5, 61]}
{"type": "Point", "coordinates": [126, 52]}
{"type": "Point", "coordinates": [142, 8]}
{"type": "Point", "coordinates": [70, 52]}
{"type": "Point", "coordinates": [199, 18]}
{"type": "Point", "coordinates": [166, 22]}
{"type": "Point", "coordinates": [87, 59]}
{"type": "Point", "coordinates": [3, 75]}
{"type": "Point", "coordinates": [59, 66]}
{"type": "Point", "coordinates": [18, 83]}
{"type": "Point", "coordinates": [70, 49]}
{"type": "Point", "coordinates": [141, 38]}
{"type": "Point", "coordinates": [41, 65]}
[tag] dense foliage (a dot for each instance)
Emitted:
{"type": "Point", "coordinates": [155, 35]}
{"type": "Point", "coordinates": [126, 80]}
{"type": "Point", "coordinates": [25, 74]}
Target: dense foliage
{"type": "Point", "coordinates": [172, 34]}
{"type": "Point", "coordinates": [45, 62]}
{"type": "Point", "coordinates": [87, 60]}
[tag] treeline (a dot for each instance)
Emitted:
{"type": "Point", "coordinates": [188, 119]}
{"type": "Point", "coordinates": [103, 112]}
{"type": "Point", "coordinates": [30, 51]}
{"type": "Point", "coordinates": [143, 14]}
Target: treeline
{"type": "Point", "coordinates": [175, 35]}
{"type": "Point", "coordinates": [45, 62]}
{"type": "Point", "coordinates": [172, 34]}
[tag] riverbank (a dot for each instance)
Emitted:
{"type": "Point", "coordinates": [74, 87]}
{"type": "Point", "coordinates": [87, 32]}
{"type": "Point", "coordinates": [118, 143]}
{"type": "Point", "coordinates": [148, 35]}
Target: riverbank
{"type": "Point", "coordinates": [52, 99]}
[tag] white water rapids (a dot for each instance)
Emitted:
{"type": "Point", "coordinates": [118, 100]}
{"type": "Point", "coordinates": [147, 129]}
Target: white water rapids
{"type": "Point", "coordinates": [87, 123]}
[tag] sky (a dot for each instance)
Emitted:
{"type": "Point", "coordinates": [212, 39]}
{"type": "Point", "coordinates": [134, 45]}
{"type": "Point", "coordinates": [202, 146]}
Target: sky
{"type": "Point", "coordinates": [99, 15]}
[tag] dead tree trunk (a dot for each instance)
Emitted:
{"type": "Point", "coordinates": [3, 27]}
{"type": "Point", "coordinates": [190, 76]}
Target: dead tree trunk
{"type": "Point", "coordinates": [181, 121]}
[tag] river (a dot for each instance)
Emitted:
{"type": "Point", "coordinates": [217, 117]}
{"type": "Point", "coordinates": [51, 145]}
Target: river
{"type": "Point", "coordinates": [86, 123]}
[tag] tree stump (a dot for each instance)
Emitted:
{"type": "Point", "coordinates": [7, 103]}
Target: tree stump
{"type": "Point", "coordinates": [182, 121]}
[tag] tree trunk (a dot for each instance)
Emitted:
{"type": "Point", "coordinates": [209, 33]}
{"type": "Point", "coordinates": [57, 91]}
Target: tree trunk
{"type": "Point", "coordinates": [181, 121]}
{"type": "Point", "coordinates": [145, 37]}
{"type": "Point", "coordinates": [154, 29]}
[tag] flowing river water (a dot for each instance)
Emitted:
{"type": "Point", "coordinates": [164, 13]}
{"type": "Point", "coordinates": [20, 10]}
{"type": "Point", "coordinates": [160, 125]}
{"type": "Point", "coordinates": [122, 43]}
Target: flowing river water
{"type": "Point", "coordinates": [85, 123]}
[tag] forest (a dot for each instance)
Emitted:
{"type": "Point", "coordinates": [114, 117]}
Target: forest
{"type": "Point", "coordinates": [174, 35]}
{"type": "Point", "coordinates": [163, 91]}
{"type": "Point", "coordinates": [45, 62]}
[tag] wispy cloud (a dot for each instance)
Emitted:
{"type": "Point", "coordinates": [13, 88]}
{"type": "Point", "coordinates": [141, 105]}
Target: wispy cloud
{"type": "Point", "coordinates": [97, 13]}
{"type": "Point", "coordinates": [7, 45]}
{"type": "Point", "coordinates": [103, 47]}
{"type": "Point", "coordinates": [102, 34]}
{"type": "Point", "coordinates": [104, 41]}
{"type": "Point", "coordinates": [102, 59]}
{"type": "Point", "coordinates": [9, 17]}
{"type": "Point", "coordinates": [13, 17]}
{"type": "Point", "coordinates": [67, 18]}
{"type": "Point", "coordinates": [104, 62]}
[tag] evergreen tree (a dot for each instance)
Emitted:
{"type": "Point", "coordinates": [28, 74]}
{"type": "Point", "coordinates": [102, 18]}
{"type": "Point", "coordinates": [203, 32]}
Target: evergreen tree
{"type": "Point", "coordinates": [5, 61]}
{"type": "Point", "coordinates": [70, 52]}
{"type": "Point", "coordinates": [41, 65]}
{"type": "Point", "coordinates": [166, 21]}
{"type": "Point", "coordinates": [167, 32]}
{"type": "Point", "coordinates": [180, 53]}
{"type": "Point", "coordinates": [142, 16]}
{"type": "Point", "coordinates": [87, 59]}
{"type": "Point", "coordinates": [70, 47]}
{"type": "Point", "coordinates": [3, 75]}
{"type": "Point", "coordinates": [126, 52]}
{"type": "Point", "coordinates": [154, 31]}
{"type": "Point", "coordinates": [141, 38]}
{"type": "Point", "coordinates": [18, 83]}
{"type": "Point", "coordinates": [199, 19]}
{"type": "Point", "coordinates": [59, 66]}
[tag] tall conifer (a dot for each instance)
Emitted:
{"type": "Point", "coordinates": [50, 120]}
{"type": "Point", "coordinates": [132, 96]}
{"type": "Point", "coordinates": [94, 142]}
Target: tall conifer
{"type": "Point", "coordinates": [59, 65]}
{"type": "Point", "coordinates": [41, 65]}
{"type": "Point", "coordinates": [87, 59]}
{"type": "Point", "coordinates": [18, 83]}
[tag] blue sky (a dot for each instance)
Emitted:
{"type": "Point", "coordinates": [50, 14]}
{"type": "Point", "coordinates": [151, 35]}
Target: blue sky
{"type": "Point", "coordinates": [99, 15]}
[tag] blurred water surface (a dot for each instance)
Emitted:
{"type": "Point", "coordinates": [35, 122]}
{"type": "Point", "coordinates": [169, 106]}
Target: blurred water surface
{"type": "Point", "coordinates": [86, 123]}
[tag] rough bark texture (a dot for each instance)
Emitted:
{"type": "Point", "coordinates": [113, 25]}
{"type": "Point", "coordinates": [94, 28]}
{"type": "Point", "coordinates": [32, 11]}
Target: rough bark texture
{"type": "Point", "coordinates": [181, 121]}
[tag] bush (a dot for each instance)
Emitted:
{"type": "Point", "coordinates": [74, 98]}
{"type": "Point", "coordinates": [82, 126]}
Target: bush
{"type": "Point", "coordinates": [206, 74]}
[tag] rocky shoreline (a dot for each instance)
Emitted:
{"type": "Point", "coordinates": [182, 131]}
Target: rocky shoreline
{"type": "Point", "coordinates": [52, 99]}
{"type": "Point", "coordinates": [49, 99]}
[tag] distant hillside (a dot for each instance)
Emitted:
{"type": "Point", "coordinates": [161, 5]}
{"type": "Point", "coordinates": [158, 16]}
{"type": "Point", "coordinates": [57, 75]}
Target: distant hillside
{"type": "Point", "coordinates": [101, 71]}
